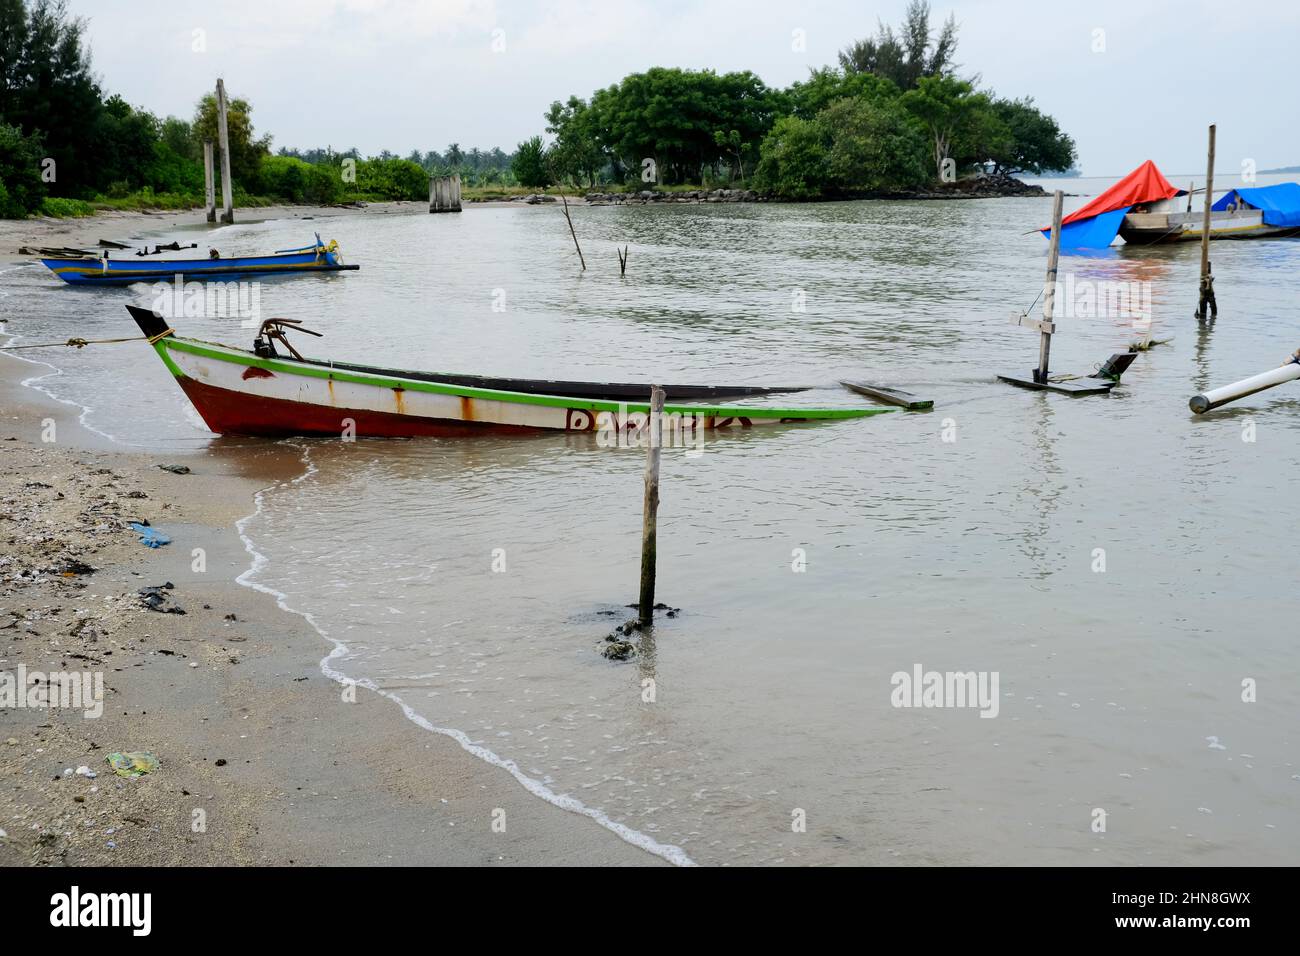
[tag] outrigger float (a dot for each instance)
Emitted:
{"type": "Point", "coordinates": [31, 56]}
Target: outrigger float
{"type": "Point", "coordinates": [1289, 371]}
{"type": "Point", "coordinates": [264, 393]}
{"type": "Point", "coordinates": [318, 257]}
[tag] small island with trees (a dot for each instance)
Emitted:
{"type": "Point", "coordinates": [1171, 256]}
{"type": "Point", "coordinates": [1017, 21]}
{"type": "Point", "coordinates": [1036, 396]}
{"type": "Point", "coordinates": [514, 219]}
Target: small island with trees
{"type": "Point", "coordinates": [892, 119]}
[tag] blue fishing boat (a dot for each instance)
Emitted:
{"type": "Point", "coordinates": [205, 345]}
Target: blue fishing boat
{"type": "Point", "coordinates": [317, 257]}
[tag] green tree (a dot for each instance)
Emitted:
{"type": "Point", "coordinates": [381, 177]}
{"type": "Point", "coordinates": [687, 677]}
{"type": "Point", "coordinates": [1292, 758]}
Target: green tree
{"type": "Point", "coordinates": [874, 147]}
{"type": "Point", "coordinates": [392, 178]}
{"type": "Point", "coordinates": [946, 106]}
{"type": "Point", "coordinates": [293, 180]}
{"type": "Point", "coordinates": [21, 188]}
{"type": "Point", "coordinates": [125, 145]}
{"type": "Point", "coordinates": [530, 164]}
{"type": "Point", "coordinates": [826, 85]}
{"type": "Point", "coordinates": [852, 147]}
{"type": "Point", "coordinates": [577, 153]}
{"type": "Point", "coordinates": [910, 54]}
{"type": "Point", "coordinates": [670, 116]}
{"type": "Point", "coordinates": [246, 152]}
{"type": "Point", "coordinates": [46, 87]}
{"type": "Point", "coordinates": [792, 159]}
{"type": "Point", "coordinates": [1034, 142]}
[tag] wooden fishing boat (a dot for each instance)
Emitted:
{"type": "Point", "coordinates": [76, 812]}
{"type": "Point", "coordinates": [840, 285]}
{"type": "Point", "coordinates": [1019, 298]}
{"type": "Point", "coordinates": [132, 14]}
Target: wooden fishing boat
{"type": "Point", "coordinates": [262, 392]}
{"type": "Point", "coordinates": [318, 257]}
{"type": "Point", "coordinates": [1160, 223]}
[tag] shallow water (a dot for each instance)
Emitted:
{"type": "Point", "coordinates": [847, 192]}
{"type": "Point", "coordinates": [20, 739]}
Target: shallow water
{"type": "Point", "coordinates": [1120, 689]}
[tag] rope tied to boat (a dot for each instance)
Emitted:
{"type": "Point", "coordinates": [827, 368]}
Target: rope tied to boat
{"type": "Point", "coordinates": [79, 343]}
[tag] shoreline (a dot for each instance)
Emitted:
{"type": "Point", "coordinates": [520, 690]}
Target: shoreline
{"type": "Point", "coordinates": [85, 232]}
{"type": "Point", "coordinates": [263, 760]}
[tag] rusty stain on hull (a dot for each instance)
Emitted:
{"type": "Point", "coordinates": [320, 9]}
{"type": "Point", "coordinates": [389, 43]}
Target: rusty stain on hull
{"type": "Point", "coordinates": [398, 401]}
{"type": "Point", "coordinates": [329, 384]}
{"type": "Point", "coordinates": [466, 408]}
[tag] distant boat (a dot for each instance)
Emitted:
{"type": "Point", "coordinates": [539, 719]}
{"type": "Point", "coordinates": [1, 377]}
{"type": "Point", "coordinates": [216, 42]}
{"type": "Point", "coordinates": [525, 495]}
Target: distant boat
{"type": "Point", "coordinates": [1140, 209]}
{"type": "Point", "coordinates": [317, 257]}
{"type": "Point", "coordinates": [264, 393]}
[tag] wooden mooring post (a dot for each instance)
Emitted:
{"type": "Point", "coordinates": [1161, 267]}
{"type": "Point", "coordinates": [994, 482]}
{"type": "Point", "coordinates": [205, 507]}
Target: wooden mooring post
{"type": "Point", "coordinates": [1049, 290]}
{"type": "Point", "coordinates": [209, 184]}
{"type": "Point", "coordinates": [650, 513]}
{"type": "Point", "coordinates": [223, 137]}
{"type": "Point", "coordinates": [1206, 291]}
{"type": "Point", "coordinates": [444, 193]}
{"type": "Point", "coordinates": [1038, 378]}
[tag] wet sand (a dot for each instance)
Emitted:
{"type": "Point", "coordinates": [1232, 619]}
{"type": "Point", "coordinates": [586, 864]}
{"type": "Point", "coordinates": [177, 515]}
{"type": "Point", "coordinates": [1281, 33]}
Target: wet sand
{"type": "Point", "coordinates": [262, 759]}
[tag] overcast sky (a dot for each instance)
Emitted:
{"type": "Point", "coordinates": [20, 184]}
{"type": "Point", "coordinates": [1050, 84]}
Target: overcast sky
{"type": "Point", "coordinates": [1128, 79]}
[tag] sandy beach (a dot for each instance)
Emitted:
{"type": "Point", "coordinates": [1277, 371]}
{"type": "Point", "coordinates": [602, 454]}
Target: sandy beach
{"type": "Point", "coordinates": [262, 759]}
{"type": "Point", "coordinates": [84, 233]}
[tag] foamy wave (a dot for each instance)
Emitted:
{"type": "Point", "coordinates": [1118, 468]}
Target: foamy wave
{"type": "Point", "coordinates": [667, 851]}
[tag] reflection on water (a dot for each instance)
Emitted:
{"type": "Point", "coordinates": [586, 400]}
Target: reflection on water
{"type": "Point", "coordinates": [771, 689]}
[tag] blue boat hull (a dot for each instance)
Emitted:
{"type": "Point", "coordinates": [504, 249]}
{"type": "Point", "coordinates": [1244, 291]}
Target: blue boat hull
{"type": "Point", "coordinates": [125, 271]}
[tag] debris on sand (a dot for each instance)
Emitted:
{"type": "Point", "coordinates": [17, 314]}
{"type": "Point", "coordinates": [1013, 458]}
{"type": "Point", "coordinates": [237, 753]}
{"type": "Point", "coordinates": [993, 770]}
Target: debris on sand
{"type": "Point", "coordinates": [158, 599]}
{"type": "Point", "coordinates": [132, 763]}
{"type": "Point", "coordinates": [150, 537]}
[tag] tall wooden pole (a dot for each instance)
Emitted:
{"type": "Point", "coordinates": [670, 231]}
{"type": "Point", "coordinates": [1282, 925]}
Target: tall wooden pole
{"type": "Point", "coordinates": [209, 187]}
{"type": "Point", "coordinates": [1049, 290]}
{"type": "Point", "coordinates": [1207, 281]}
{"type": "Point", "coordinates": [227, 195]}
{"type": "Point", "coordinates": [650, 514]}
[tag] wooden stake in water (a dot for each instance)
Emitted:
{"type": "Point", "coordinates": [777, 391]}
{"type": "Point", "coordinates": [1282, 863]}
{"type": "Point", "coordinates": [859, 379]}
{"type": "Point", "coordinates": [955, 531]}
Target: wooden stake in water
{"type": "Point", "coordinates": [649, 517]}
{"type": "Point", "coordinates": [1207, 280]}
{"type": "Point", "coordinates": [1049, 289]}
{"type": "Point", "coordinates": [223, 137]}
{"type": "Point", "coordinates": [572, 231]}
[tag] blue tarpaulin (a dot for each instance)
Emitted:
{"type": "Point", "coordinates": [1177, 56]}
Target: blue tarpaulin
{"type": "Point", "coordinates": [1280, 203]}
{"type": "Point", "coordinates": [1095, 233]}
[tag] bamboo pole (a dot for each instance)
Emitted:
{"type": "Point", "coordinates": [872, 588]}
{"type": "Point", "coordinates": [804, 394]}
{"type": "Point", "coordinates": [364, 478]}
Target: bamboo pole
{"type": "Point", "coordinates": [209, 186]}
{"type": "Point", "coordinates": [1207, 281]}
{"type": "Point", "coordinates": [227, 194]}
{"type": "Point", "coordinates": [650, 513]}
{"type": "Point", "coordinates": [1049, 290]}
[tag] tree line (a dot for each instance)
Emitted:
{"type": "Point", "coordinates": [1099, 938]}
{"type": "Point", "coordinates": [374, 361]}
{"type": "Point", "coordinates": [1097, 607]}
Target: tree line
{"type": "Point", "coordinates": [892, 115]}
{"type": "Point", "coordinates": [66, 145]}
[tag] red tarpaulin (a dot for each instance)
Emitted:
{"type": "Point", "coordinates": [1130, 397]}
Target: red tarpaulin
{"type": "Point", "coordinates": [1144, 184]}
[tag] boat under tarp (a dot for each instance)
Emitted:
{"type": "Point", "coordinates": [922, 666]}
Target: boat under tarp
{"type": "Point", "coordinates": [1278, 205]}
{"type": "Point", "coordinates": [1095, 224]}
{"type": "Point", "coordinates": [255, 393]}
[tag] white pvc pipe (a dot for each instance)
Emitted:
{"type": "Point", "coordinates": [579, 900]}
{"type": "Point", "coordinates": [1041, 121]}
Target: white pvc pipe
{"type": "Point", "coordinates": [1247, 386]}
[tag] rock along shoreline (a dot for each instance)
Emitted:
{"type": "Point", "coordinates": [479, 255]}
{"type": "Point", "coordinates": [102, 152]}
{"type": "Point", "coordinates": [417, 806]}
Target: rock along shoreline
{"type": "Point", "coordinates": [982, 186]}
